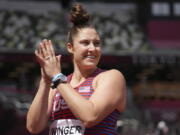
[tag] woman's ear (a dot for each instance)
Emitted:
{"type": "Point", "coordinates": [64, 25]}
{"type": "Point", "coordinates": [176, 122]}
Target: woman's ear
{"type": "Point", "coordinates": [70, 47]}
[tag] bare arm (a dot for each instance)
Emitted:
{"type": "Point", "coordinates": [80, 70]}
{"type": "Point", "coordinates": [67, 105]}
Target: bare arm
{"type": "Point", "coordinates": [40, 109]}
{"type": "Point", "coordinates": [108, 95]}
{"type": "Point", "coordinates": [38, 114]}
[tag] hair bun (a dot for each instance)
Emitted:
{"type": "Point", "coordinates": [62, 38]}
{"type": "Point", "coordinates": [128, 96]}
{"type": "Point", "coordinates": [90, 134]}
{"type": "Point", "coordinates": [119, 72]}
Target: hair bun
{"type": "Point", "coordinates": [78, 15]}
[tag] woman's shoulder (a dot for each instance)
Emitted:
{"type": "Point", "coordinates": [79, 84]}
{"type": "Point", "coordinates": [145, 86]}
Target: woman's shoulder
{"type": "Point", "coordinates": [111, 74]}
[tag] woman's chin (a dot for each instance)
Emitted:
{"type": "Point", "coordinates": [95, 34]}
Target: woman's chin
{"type": "Point", "coordinates": [90, 66]}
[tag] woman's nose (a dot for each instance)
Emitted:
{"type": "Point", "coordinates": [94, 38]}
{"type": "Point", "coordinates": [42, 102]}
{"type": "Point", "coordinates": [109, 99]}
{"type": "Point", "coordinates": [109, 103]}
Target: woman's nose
{"type": "Point", "coordinates": [92, 46]}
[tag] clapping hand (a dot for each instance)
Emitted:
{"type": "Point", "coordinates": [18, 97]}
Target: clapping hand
{"type": "Point", "coordinates": [49, 62]}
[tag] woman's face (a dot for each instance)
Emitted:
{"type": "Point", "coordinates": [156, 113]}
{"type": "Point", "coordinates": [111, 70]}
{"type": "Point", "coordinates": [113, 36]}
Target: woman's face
{"type": "Point", "coordinates": [86, 48]}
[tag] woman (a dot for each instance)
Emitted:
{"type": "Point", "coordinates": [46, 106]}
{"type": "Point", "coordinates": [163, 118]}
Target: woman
{"type": "Point", "coordinates": [88, 101]}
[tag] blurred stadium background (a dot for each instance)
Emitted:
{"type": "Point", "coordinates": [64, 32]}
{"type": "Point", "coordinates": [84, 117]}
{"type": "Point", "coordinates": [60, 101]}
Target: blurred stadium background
{"type": "Point", "coordinates": [141, 38]}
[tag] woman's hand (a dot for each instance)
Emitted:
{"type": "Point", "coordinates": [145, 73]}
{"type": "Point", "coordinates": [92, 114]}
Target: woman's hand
{"type": "Point", "coordinates": [50, 64]}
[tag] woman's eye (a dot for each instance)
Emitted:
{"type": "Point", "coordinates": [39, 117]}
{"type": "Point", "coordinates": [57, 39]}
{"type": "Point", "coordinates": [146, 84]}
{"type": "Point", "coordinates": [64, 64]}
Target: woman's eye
{"type": "Point", "coordinates": [97, 43]}
{"type": "Point", "coordinates": [85, 43]}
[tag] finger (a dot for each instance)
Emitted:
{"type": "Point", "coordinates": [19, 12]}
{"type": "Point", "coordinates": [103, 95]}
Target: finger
{"type": "Point", "coordinates": [39, 57]}
{"type": "Point", "coordinates": [47, 48]}
{"type": "Point", "coordinates": [51, 48]}
{"type": "Point", "coordinates": [41, 53]}
{"type": "Point", "coordinates": [58, 58]}
{"type": "Point", "coordinates": [36, 53]}
{"type": "Point", "coordinates": [43, 49]}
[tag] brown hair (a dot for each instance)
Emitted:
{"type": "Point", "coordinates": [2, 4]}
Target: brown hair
{"type": "Point", "coordinates": [80, 19]}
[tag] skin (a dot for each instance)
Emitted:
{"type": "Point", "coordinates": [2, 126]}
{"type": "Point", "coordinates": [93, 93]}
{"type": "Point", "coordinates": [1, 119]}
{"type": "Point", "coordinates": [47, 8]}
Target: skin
{"type": "Point", "coordinates": [109, 86]}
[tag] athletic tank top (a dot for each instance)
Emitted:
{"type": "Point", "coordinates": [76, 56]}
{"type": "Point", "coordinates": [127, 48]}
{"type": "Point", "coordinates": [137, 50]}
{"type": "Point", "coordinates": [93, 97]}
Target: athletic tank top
{"type": "Point", "coordinates": [85, 89]}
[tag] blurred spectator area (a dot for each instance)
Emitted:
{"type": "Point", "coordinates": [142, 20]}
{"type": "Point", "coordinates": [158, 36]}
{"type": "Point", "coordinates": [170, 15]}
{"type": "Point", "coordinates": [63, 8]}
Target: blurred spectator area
{"type": "Point", "coordinates": [23, 26]}
{"type": "Point", "coordinates": [157, 90]}
{"type": "Point", "coordinates": [152, 73]}
{"type": "Point", "coordinates": [22, 30]}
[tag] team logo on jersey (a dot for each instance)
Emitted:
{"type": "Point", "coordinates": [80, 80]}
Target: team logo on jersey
{"type": "Point", "coordinates": [59, 103]}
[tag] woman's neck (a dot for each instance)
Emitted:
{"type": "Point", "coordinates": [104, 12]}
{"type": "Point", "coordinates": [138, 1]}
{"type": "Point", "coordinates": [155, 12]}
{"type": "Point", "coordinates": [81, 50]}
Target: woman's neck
{"type": "Point", "coordinates": [80, 74]}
